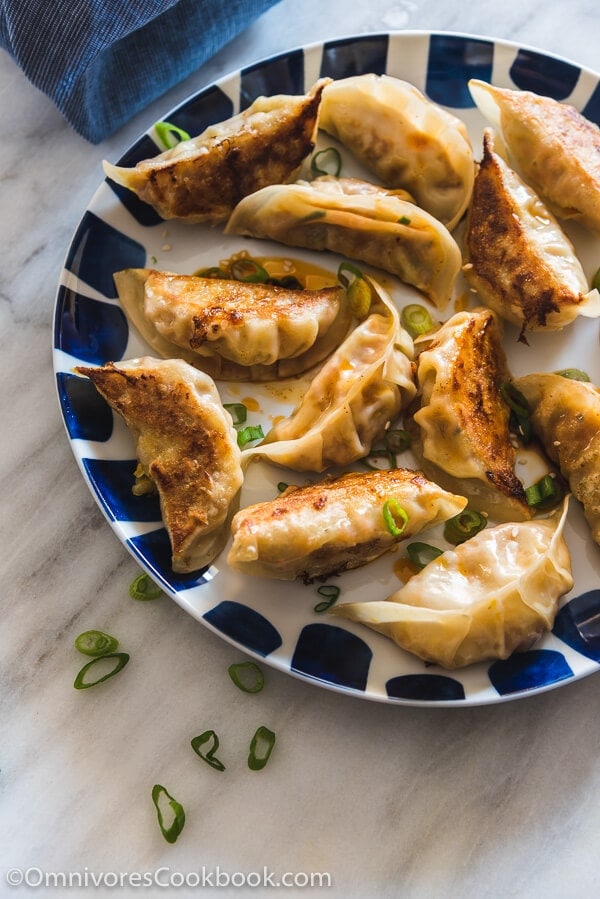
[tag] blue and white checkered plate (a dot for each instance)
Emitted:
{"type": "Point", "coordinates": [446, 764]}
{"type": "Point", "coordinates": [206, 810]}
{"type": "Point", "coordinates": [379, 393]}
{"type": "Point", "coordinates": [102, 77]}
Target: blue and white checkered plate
{"type": "Point", "coordinates": [275, 620]}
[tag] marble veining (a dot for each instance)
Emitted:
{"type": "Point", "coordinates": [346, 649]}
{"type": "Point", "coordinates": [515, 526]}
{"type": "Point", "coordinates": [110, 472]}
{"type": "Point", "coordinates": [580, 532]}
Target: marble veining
{"type": "Point", "coordinates": [411, 802]}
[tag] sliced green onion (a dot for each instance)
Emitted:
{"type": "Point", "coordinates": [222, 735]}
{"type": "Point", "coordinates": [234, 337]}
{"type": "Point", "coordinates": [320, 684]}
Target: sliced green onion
{"type": "Point", "coordinates": [281, 486]}
{"type": "Point", "coordinates": [121, 659]}
{"type": "Point", "coordinates": [358, 289]}
{"type": "Point", "coordinates": [544, 493]}
{"type": "Point", "coordinates": [331, 592]}
{"type": "Point", "coordinates": [170, 135]}
{"type": "Point", "coordinates": [212, 272]}
{"type": "Point", "coordinates": [397, 440]}
{"type": "Point", "coordinates": [515, 400]}
{"type": "Point", "coordinates": [596, 280]}
{"type": "Point", "coordinates": [312, 216]}
{"type": "Point", "coordinates": [375, 455]}
{"type": "Point", "coordinates": [247, 676]}
{"type": "Point", "coordinates": [248, 434]}
{"type": "Point", "coordinates": [261, 747]}
{"type": "Point", "coordinates": [326, 162]}
{"type": "Point", "coordinates": [464, 526]}
{"type": "Point", "coordinates": [96, 643]}
{"type": "Point", "coordinates": [421, 554]}
{"type": "Point", "coordinates": [416, 319]}
{"type": "Point", "coordinates": [172, 831]}
{"type": "Point", "coordinates": [143, 588]}
{"type": "Point", "coordinates": [288, 281]}
{"type": "Point", "coordinates": [208, 756]}
{"type": "Point", "coordinates": [392, 511]}
{"type": "Point", "coordinates": [248, 270]}
{"type": "Point", "coordinates": [404, 220]}
{"type": "Point", "coordinates": [575, 374]}
{"type": "Point", "coordinates": [238, 412]}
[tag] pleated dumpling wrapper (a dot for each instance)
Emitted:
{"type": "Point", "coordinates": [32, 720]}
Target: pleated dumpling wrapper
{"type": "Point", "coordinates": [371, 225]}
{"type": "Point", "coordinates": [337, 524]}
{"type": "Point", "coordinates": [461, 435]}
{"type": "Point", "coordinates": [519, 260]}
{"type": "Point", "coordinates": [186, 447]}
{"type": "Point", "coordinates": [405, 139]}
{"type": "Point", "coordinates": [552, 146]}
{"type": "Point", "coordinates": [565, 417]}
{"type": "Point", "coordinates": [234, 330]}
{"type": "Point", "coordinates": [353, 397]}
{"type": "Point", "coordinates": [203, 178]}
{"type": "Point", "coordinates": [495, 594]}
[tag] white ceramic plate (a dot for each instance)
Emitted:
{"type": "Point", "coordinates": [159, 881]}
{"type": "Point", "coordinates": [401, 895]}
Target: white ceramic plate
{"type": "Point", "coordinates": [275, 620]}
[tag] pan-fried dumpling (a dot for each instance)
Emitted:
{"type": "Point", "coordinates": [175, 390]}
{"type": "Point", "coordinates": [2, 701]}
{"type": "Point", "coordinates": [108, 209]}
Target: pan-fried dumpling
{"type": "Point", "coordinates": [461, 432]}
{"type": "Point", "coordinates": [404, 138]}
{"type": "Point", "coordinates": [186, 446]}
{"type": "Point", "coordinates": [377, 227]}
{"type": "Point", "coordinates": [351, 400]}
{"type": "Point", "coordinates": [202, 179]}
{"type": "Point", "coordinates": [335, 525]}
{"type": "Point", "coordinates": [554, 148]}
{"type": "Point", "coordinates": [519, 260]}
{"type": "Point", "coordinates": [231, 329]}
{"type": "Point", "coordinates": [565, 416]}
{"type": "Point", "coordinates": [491, 596]}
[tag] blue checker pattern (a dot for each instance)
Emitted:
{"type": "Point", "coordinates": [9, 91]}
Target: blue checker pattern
{"type": "Point", "coordinates": [334, 655]}
{"type": "Point", "coordinates": [95, 331]}
{"type": "Point", "coordinates": [246, 626]}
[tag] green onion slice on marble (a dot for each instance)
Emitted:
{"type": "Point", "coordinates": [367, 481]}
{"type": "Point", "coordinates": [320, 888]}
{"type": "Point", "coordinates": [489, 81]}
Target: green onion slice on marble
{"type": "Point", "coordinates": [261, 747]}
{"type": "Point", "coordinates": [208, 755]}
{"type": "Point", "coordinates": [247, 676]}
{"type": "Point", "coordinates": [172, 827]}
{"type": "Point", "coordinates": [144, 589]}
{"type": "Point", "coordinates": [96, 643]}
{"type": "Point", "coordinates": [119, 660]}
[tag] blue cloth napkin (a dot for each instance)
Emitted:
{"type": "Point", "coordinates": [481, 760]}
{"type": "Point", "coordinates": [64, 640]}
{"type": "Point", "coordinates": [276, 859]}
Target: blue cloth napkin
{"type": "Point", "coordinates": [101, 61]}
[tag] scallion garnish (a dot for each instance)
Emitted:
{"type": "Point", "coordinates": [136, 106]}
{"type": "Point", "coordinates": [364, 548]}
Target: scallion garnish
{"type": "Point", "coordinates": [515, 400]}
{"type": "Point", "coordinates": [238, 412]}
{"type": "Point", "coordinates": [261, 747]}
{"type": "Point", "coordinates": [171, 831]}
{"type": "Point", "coordinates": [249, 271]}
{"type": "Point", "coordinates": [170, 135]}
{"type": "Point", "coordinates": [575, 374]}
{"type": "Point", "coordinates": [392, 514]}
{"type": "Point", "coordinates": [404, 220]}
{"type": "Point", "coordinates": [248, 434]}
{"type": "Point", "coordinates": [281, 486]}
{"type": "Point", "coordinates": [397, 440]}
{"type": "Point", "coordinates": [358, 289]}
{"type": "Point", "coordinates": [544, 493]}
{"type": "Point", "coordinates": [464, 526]}
{"type": "Point", "coordinates": [143, 588]}
{"type": "Point", "coordinates": [212, 272]}
{"type": "Point", "coordinates": [416, 319]}
{"type": "Point", "coordinates": [96, 643]}
{"type": "Point", "coordinates": [247, 676]}
{"type": "Point", "coordinates": [326, 162]}
{"type": "Point", "coordinates": [120, 658]}
{"type": "Point", "coordinates": [208, 755]}
{"type": "Point", "coordinates": [420, 554]}
{"type": "Point", "coordinates": [331, 592]}
{"type": "Point", "coordinates": [596, 280]}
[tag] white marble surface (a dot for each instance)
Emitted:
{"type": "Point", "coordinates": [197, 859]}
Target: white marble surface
{"type": "Point", "coordinates": [408, 802]}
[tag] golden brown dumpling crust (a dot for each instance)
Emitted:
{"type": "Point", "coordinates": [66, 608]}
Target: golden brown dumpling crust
{"type": "Point", "coordinates": [185, 442]}
{"type": "Point", "coordinates": [334, 525]}
{"type": "Point", "coordinates": [519, 260]}
{"type": "Point", "coordinates": [463, 418]}
{"type": "Point", "coordinates": [268, 145]}
{"type": "Point", "coordinates": [565, 416]}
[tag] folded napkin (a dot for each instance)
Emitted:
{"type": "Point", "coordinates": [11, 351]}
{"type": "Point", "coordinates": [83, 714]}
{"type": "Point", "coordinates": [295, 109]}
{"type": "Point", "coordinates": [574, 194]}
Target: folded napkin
{"type": "Point", "coordinates": [101, 61]}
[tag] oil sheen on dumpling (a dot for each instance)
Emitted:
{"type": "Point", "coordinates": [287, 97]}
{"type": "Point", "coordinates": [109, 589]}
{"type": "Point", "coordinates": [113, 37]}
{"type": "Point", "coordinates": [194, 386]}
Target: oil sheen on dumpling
{"type": "Point", "coordinates": [202, 179]}
{"type": "Point", "coordinates": [519, 260]}
{"type": "Point", "coordinates": [232, 329]}
{"type": "Point", "coordinates": [462, 438]}
{"type": "Point", "coordinates": [335, 525]}
{"type": "Point", "coordinates": [565, 416]}
{"type": "Point", "coordinates": [404, 138]}
{"type": "Point", "coordinates": [352, 398]}
{"type": "Point", "coordinates": [374, 226]}
{"type": "Point", "coordinates": [495, 594]}
{"type": "Point", "coordinates": [186, 445]}
{"type": "Point", "coordinates": [554, 148]}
